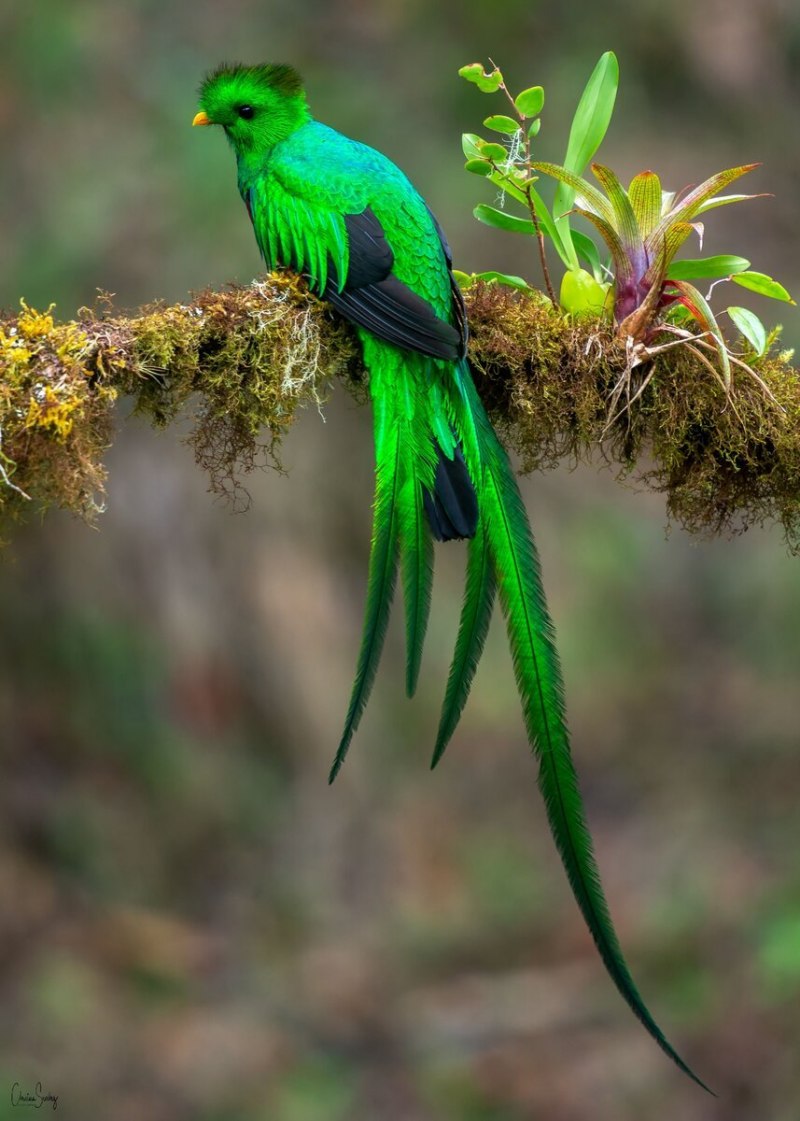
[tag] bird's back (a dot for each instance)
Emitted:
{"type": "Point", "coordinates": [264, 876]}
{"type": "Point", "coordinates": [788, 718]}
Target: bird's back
{"type": "Point", "coordinates": [330, 170]}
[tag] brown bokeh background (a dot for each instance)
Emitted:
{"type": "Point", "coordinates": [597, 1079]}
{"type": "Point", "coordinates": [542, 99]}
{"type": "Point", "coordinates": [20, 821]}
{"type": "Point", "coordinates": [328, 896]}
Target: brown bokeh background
{"type": "Point", "coordinates": [194, 926]}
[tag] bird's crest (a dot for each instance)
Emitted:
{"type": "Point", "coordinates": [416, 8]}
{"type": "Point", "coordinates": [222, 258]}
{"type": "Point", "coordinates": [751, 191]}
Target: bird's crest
{"type": "Point", "coordinates": [273, 76]}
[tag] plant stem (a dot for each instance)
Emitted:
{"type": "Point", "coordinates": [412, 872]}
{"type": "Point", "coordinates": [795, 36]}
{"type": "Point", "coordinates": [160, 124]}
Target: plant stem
{"type": "Point", "coordinates": [542, 253]}
{"type": "Point", "coordinates": [531, 207]}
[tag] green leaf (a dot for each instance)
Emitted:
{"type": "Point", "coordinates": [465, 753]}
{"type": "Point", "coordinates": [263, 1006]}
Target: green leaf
{"type": "Point", "coordinates": [586, 249]}
{"type": "Point", "coordinates": [581, 294]}
{"type": "Point", "coordinates": [504, 182]}
{"type": "Point", "coordinates": [593, 115]}
{"type": "Point", "coordinates": [499, 123]}
{"type": "Point", "coordinates": [751, 327]}
{"type": "Point", "coordinates": [707, 268]}
{"type": "Point", "coordinates": [467, 280]}
{"type": "Point", "coordinates": [503, 278]}
{"type": "Point", "coordinates": [472, 145]}
{"type": "Point", "coordinates": [490, 216]}
{"type": "Point", "coordinates": [463, 279]}
{"type": "Point", "coordinates": [494, 152]}
{"type": "Point", "coordinates": [534, 129]}
{"type": "Point", "coordinates": [530, 102]}
{"type": "Point", "coordinates": [486, 83]}
{"type": "Point", "coordinates": [764, 285]}
{"type": "Point", "coordinates": [478, 167]}
{"type": "Point", "coordinates": [507, 186]}
{"type": "Point", "coordinates": [589, 126]}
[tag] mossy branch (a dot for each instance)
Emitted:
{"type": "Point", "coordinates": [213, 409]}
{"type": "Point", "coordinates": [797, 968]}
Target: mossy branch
{"type": "Point", "coordinates": [249, 357]}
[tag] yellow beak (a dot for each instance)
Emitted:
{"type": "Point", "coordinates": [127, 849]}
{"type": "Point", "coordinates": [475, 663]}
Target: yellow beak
{"type": "Point", "coordinates": [202, 119]}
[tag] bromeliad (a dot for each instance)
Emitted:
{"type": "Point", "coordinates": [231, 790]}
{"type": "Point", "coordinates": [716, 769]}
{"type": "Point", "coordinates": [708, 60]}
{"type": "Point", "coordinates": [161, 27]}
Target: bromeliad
{"type": "Point", "coordinates": [349, 220]}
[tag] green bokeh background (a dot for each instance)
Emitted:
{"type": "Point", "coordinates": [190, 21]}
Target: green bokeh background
{"type": "Point", "coordinates": [193, 925]}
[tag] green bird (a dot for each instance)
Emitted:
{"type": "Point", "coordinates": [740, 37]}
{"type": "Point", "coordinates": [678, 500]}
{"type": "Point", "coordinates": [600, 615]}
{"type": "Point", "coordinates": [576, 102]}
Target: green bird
{"type": "Point", "coordinates": [347, 219]}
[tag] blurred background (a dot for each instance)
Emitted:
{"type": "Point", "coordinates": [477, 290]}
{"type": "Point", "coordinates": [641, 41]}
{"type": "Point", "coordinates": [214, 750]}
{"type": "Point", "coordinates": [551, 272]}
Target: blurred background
{"type": "Point", "coordinates": [193, 925]}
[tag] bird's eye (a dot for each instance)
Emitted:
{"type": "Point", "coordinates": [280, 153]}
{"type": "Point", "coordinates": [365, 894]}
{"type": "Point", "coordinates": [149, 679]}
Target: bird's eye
{"type": "Point", "coordinates": [246, 111]}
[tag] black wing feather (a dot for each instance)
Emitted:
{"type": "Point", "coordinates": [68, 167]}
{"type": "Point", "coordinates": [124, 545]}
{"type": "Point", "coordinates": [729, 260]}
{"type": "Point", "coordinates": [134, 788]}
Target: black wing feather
{"type": "Point", "coordinates": [371, 256]}
{"type": "Point", "coordinates": [393, 312]}
{"type": "Point", "coordinates": [374, 298]}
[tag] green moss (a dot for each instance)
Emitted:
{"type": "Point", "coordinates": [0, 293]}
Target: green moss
{"type": "Point", "coordinates": [243, 361]}
{"type": "Point", "coordinates": [249, 358]}
{"type": "Point", "coordinates": [724, 462]}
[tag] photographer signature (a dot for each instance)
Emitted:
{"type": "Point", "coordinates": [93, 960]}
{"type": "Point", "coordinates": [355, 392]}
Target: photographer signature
{"type": "Point", "coordinates": [35, 1100]}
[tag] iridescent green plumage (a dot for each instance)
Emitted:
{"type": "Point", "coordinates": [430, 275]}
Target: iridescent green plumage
{"type": "Point", "coordinates": [349, 220]}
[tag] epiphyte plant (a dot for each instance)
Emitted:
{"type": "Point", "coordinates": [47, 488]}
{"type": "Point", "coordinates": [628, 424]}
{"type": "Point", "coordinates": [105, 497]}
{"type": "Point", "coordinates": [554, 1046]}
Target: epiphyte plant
{"type": "Point", "coordinates": [638, 282]}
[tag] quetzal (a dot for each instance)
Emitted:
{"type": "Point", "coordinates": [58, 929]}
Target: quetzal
{"type": "Point", "coordinates": [346, 218]}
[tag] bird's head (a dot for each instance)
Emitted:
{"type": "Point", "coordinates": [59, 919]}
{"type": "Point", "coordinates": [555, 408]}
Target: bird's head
{"type": "Point", "coordinates": [256, 105]}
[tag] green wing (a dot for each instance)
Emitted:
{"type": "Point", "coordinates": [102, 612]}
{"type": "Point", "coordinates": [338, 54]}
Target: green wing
{"type": "Point", "coordinates": [298, 232]}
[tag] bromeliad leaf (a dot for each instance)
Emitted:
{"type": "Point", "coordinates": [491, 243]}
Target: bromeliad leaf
{"type": "Point", "coordinates": [751, 327]}
{"type": "Point", "coordinates": [697, 304]}
{"type": "Point", "coordinates": [590, 198]}
{"type": "Point", "coordinates": [623, 266]}
{"type": "Point", "coordinates": [686, 208]}
{"type": "Point", "coordinates": [726, 200]}
{"type": "Point", "coordinates": [626, 223]}
{"type": "Point", "coordinates": [645, 195]}
{"type": "Point", "coordinates": [707, 268]}
{"type": "Point", "coordinates": [674, 237]}
{"type": "Point", "coordinates": [764, 285]}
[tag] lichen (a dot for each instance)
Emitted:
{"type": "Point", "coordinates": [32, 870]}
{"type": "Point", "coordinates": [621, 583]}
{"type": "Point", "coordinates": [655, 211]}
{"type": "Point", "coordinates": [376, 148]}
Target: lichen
{"type": "Point", "coordinates": [55, 416]}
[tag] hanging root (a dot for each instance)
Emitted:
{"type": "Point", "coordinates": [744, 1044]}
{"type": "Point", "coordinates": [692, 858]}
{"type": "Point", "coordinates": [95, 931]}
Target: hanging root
{"type": "Point", "coordinates": [243, 360]}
